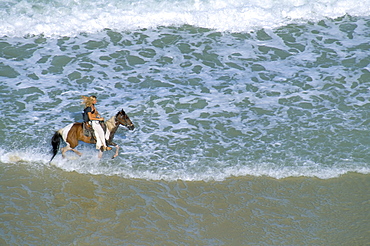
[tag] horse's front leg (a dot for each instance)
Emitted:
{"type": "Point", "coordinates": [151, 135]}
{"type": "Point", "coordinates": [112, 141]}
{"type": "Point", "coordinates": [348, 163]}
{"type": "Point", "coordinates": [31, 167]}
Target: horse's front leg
{"type": "Point", "coordinates": [117, 149]}
{"type": "Point", "coordinates": [100, 155]}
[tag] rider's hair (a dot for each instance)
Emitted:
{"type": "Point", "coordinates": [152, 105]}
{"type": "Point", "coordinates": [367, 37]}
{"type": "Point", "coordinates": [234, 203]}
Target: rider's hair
{"type": "Point", "coordinates": [88, 101]}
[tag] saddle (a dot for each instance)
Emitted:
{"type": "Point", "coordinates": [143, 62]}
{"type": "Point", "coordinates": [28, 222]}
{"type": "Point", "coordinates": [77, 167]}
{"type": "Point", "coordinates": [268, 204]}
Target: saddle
{"type": "Point", "coordinates": [89, 131]}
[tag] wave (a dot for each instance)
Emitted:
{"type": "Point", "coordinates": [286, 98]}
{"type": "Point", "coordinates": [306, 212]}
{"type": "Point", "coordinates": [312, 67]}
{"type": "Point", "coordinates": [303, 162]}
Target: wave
{"type": "Point", "coordinates": [72, 17]}
{"type": "Point", "coordinates": [192, 170]}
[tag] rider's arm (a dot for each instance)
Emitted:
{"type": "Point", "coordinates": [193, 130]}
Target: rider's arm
{"type": "Point", "coordinates": [94, 117]}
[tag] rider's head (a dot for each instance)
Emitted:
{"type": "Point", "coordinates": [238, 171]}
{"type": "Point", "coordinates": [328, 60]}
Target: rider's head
{"type": "Point", "coordinates": [89, 101]}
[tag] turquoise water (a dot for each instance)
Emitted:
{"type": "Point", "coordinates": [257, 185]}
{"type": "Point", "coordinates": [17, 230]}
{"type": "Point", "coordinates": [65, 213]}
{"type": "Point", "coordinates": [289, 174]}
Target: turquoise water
{"type": "Point", "coordinates": [219, 92]}
{"type": "Point", "coordinates": [290, 101]}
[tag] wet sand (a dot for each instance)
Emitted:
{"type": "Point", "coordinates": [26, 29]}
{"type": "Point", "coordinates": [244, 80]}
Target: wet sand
{"type": "Point", "coordinates": [51, 206]}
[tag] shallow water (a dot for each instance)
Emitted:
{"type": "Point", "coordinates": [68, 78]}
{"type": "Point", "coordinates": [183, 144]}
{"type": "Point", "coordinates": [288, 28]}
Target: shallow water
{"type": "Point", "coordinates": [251, 122]}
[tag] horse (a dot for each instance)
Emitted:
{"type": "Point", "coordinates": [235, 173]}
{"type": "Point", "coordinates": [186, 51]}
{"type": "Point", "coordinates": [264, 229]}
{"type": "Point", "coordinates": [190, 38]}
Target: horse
{"type": "Point", "coordinates": [74, 132]}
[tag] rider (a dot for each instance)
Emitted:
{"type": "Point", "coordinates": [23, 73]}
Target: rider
{"type": "Point", "coordinates": [92, 116]}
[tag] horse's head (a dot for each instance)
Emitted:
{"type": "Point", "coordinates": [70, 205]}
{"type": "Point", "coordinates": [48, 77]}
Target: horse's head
{"type": "Point", "coordinates": [123, 119]}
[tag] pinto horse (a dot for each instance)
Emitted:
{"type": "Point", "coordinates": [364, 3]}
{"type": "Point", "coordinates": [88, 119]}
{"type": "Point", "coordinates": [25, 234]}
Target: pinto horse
{"type": "Point", "coordinates": [74, 132]}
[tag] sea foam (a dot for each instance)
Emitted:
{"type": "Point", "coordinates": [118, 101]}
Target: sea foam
{"type": "Point", "coordinates": [69, 18]}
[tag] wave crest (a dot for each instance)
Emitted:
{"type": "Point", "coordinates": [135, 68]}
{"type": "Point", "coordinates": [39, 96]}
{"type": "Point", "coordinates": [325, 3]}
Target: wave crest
{"type": "Point", "coordinates": [69, 18]}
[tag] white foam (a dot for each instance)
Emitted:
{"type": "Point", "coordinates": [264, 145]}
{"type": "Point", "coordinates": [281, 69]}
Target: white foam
{"type": "Point", "coordinates": [27, 156]}
{"type": "Point", "coordinates": [69, 18]}
{"type": "Point", "coordinates": [192, 170]}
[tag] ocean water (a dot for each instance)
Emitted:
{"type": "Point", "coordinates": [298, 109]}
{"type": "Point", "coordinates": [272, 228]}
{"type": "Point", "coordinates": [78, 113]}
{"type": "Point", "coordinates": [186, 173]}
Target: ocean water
{"type": "Point", "coordinates": [251, 121]}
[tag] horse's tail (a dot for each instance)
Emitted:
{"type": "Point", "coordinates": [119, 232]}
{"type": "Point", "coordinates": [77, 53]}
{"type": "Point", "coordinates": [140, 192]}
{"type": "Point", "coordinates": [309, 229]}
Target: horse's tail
{"type": "Point", "coordinates": [55, 142]}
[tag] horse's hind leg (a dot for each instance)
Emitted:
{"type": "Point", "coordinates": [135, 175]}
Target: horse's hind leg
{"type": "Point", "coordinates": [64, 150]}
{"type": "Point", "coordinates": [77, 152]}
{"type": "Point", "coordinates": [68, 147]}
